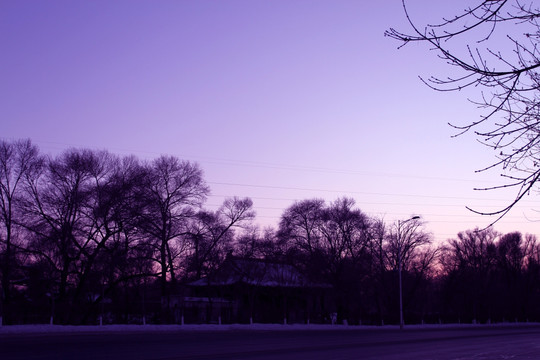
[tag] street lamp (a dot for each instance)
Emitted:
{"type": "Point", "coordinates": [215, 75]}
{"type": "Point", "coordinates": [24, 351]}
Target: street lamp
{"type": "Point", "coordinates": [399, 269]}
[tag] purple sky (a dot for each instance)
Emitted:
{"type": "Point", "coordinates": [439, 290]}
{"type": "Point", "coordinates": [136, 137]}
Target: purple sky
{"type": "Point", "coordinates": [277, 100]}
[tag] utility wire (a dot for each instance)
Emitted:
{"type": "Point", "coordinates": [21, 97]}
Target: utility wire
{"type": "Point", "coordinates": [250, 163]}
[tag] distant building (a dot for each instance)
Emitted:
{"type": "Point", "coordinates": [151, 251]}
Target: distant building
{"type": "Point", "coordinates": [253, 290]}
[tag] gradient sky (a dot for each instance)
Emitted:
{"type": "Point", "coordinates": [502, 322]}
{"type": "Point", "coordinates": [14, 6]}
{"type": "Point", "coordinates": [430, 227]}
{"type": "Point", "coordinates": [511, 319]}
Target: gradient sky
{"type": "Point", "coordinates": [277, 100]}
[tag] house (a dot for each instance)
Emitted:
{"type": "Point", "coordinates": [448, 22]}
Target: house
{"type": "Point", "coordinates": [254, 290]}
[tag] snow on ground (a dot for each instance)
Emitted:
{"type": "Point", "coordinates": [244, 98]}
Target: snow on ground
{"type": "Point", "coordinates": [44, 329]}
{"type": "Point", "coordinates": [8, 329]}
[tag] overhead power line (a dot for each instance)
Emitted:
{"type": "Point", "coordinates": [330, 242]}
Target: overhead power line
{"type": "Point", "coordinates": [251, 163]}
{"type": "Point", "coordinates": [349, 191]}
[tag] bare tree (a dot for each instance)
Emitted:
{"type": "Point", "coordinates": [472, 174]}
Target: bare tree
{"type": "Point", "coordinates": [327, 233]}
{"type": "Point", "coordinates": [347, 231]}
{"type": "Point", "coordinates": [331, 244]}
{"type": "Point", "coordinates": [55, 214]}
{"type": "Point", "coordinates": [211, 234]}
{"type": "Point", "coordinates": [469, 263]}
{"type": "Point", "coordinates": [111, 215]}
{"type": "Point", "coordinates": [403, 242]}
{"type": "Point", "coordinates": [511, 254]}
{"type": "Point", "coordinates": [17, 160]}
{"type": "Point", "coordinates": [493, 46]}
{"type": "Point", "coordinates": [403, 251]}
{"type": "Point", "coordinates": [257, 243]}
{"type": "Point", "coordinates": [175, 188]}
{"type": "Point", "coordinates": [301, 224]}
{"type": "Point", "coordinates": [531, 250]}
{"type": "Point", "coordinates": [473, 249]}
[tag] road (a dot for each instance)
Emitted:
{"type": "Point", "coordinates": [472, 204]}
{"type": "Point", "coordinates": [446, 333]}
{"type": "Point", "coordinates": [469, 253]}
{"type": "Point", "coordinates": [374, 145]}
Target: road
{"type": "Point", "coordinates": [476, 343]}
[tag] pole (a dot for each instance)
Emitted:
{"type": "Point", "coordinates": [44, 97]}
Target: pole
{"type": "Point", "coordinates": [399, 276]}
{"type": "Point", "coordinates": [400, 265]}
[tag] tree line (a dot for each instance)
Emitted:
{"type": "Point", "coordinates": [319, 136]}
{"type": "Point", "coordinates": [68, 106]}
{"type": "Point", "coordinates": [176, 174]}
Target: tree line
{"type": "Point", "coordinates": [86, 230]}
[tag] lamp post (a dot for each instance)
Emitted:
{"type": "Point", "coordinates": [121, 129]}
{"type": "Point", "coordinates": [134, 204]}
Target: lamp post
{"type": "Point", "coordinates": [399, 269]}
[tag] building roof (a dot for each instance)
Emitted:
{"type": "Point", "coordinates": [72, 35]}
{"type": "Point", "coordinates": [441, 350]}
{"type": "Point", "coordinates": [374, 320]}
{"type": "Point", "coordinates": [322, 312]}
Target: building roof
{"type": "Point", "coordinates": [256, 272]}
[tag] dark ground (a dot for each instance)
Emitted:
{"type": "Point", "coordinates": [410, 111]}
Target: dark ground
{"type": "Point", "coordinates": [489, 342]}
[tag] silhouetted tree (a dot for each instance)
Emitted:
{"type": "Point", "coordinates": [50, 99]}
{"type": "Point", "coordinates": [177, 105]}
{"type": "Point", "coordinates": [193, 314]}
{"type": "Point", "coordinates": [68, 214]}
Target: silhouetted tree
{"type": "Point", "coordinates": [493, 46]}
{"type": "Point", "coordinates": [406, 245]}
{"type": "Point", "coordinates": [331, 244]}
{"type": "Point", "coordinates": [510, 253]}
{"type": "Point", "coordinates": [300, 225]}
{"type": "Point", "coordinates": [403, 241]}
{"type": "Point", "coordinates": [114, 243]}
{"type": "Point", "coordinates": [531, 278]}
{"type": "Point", "coordinates": [175, 189]}
{"type": "Point", "coordinates": [469, 263]}
{"type": "Point", "coordinates": [210, 235]}
{"type": "Point", "coordinates": [17, 160]}
{"type": "Point", "coordinates": [346, 231]}
{"type": "Point", "coordinates": [56, 214]}
{"type": "Point", "coordinates": [379, 281]}
{"type": "Point", "coordinates": [345, 246]}
{"type": "Point", "coordinates": [257, 244]}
